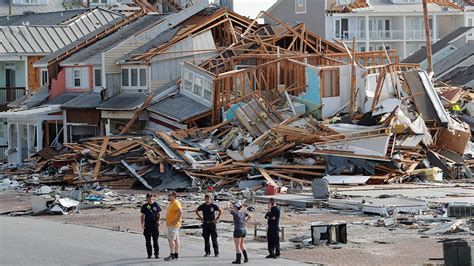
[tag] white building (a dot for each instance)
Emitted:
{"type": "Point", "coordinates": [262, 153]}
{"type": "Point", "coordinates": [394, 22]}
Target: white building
{"type": "Point", "coordinates": [395, 24]}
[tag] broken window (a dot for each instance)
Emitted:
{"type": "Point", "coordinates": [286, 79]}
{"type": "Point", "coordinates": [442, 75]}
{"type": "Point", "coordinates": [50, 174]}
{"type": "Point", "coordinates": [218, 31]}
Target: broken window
{"type": "Point", "coordinates": [207, 90]}
{"type": "Point", "coordinates": [198, 85]}
{"type": "Point", "coordinates": [188, 80]}
{"type": "Point", "coordinates": [329, 82]}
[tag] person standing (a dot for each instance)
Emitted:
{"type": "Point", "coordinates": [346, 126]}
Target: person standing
{"type": "Point", "coordinates": [273, 237]}
{"type": "Point", "coordinates": [150, 221]}
{"type": "Point", "coordinates": [209, 224]}
{"type": "Point", "coordinates": [173, 221]}
{"type": "Point", "coordinates": [240, 221]}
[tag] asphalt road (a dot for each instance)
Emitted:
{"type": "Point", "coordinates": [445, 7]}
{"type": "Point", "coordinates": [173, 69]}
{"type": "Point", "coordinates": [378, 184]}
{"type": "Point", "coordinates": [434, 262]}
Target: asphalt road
{"type": "Point", "coordinates": [33, 241]}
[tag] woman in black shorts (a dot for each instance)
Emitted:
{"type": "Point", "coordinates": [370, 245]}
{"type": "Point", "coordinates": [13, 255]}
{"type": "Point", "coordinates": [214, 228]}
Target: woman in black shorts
{"type": "Point", "coordinates": [240, 220]}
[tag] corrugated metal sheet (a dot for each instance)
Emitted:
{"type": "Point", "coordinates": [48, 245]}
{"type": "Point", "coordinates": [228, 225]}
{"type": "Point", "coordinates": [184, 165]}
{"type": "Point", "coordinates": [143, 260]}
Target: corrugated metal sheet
{"type": "Point", "coordinates": [53, 5]}
{"type": "Point", "coordinates": [124, 102]}
{"type": "Point", "coordinates": [84, 101]}
{"type": "Point", "coordinates": [41, 19]}
{"type": "Point", "coordinates": [47, 39]}
{"type": "Point", "coordinates": [178, 108]}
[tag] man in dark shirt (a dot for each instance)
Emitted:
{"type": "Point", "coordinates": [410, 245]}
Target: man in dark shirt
{"type": "Point", "coordinates": [273, 238]}
{"type": "Point", "coordinates": [209, 227]}
{"type": "Point", "coordinates": [150, 219]}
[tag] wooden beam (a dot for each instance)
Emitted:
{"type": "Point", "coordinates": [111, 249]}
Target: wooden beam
{"type": "Point", "coordinates": [267, 177]}
{"type": "Point", "coordinates": [103, 148]}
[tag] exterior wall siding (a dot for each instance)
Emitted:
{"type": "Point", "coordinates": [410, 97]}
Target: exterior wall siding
{"type": "Point", "coordinates": [314, 18]}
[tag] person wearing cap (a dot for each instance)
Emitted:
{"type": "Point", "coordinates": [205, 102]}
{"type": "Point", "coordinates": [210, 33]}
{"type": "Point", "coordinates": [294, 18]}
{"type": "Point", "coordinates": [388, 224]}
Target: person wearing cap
{"type": "Point", "coordinates": [173, 221]}
{"type": "Point", "coordinates": [273, 238]}
{"type": "Point", "coordinates": [209, 226]}
{"type": "Point", "coordinates": [240, 221]}
{"type": "Point", "coordinates": [150, 224]}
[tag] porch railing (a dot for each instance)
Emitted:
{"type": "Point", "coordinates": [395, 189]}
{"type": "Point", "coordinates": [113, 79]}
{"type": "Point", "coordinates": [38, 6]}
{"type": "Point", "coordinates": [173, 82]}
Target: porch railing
{"type": "Point", "coordinates": [10, 94]}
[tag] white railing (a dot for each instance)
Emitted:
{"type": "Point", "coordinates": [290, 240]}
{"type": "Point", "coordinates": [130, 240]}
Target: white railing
{"type": "Point", "coordinates": [373, 35]}
{"type": "Point", "coordinates": [417, 34]}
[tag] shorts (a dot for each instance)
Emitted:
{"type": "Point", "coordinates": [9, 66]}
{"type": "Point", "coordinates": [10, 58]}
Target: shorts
{"type": "Point", "coordinates": [173, 233]}
{"type": "Point", "coordinates": [240, 233]}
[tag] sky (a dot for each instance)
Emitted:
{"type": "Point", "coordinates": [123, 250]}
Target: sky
{"type": "Point", "coordinates": [250, 8]}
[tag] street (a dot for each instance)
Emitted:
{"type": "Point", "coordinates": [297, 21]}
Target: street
{"type": "Point", "coordinates": [32, 241]}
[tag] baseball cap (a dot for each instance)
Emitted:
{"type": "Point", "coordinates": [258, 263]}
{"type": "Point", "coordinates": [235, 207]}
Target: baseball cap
{"type": "Point", "coordinates": [149, 195]}
{"type": "Point", "coordinates": [238, 204]}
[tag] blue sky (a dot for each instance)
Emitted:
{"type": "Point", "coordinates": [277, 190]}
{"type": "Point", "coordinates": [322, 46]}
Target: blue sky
{"type": "Point", "coordinates": [251, 8]}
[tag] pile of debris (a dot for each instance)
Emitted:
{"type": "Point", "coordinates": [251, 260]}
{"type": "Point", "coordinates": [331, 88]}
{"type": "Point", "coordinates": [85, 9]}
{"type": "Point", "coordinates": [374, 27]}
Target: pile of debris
{"type": "Point", "coordinates": [279, 143]}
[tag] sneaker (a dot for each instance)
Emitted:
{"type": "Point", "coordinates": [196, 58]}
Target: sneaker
{"type": "Point", "coordinates": [149, 257]}
{"type": "Point", "coordinates": [216, 255]}
{"type": "Point", "coordinates": [207, 254]}
{"type": "Point", "coordinates": [270, 256]}
{"type": "Point", "coordinates": [169, 258]}
{"type": "Point", "coordinates": [157, 257]}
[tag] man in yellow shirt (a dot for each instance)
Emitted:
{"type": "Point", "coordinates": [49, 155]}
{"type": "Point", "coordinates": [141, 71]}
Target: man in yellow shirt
{"type": "Point", "coordinates": [173, 221]}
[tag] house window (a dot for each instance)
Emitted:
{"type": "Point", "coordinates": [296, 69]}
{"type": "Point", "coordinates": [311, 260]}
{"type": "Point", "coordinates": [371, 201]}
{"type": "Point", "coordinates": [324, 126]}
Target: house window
{"type": "Point", "coordinates": [208, 90]}
{"type": "Point", "coordinates": [196, 85]}
{"type": "Point", "coordinates": [134, 78]}
{"type": "Point", "coordinates": [77, 77]}
{"type": "Point", "coordinates": [125, 77]}
{"type": "Point", "coordinates": [329, 82]}
{"type": "Point", "coordinates": [300, 6]}
{"type": "Point", "coordinates": [97, 77]}
{"type": "Point", "coordinates": [44, 77]}
{"type": "Point", "coordinates": [30, 1]}
{"type": "Point", "coordinates": [142, 77]}
{"type": "Point", "coordinates": [342, 28]}
{"type": "Point", "coordinates": [470, 23]}
{"type": "Point", "coordinates": [188, 80]}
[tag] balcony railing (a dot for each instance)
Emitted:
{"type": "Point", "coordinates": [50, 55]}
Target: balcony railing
{"type": "Point", "coordinates": [10, 94]}
{"type": "Point", "coordinates": [381, 35]}
{"type": "Point", "coordinates": [374, 35]}
{"type": "Point", "coordinates": [417, 34]}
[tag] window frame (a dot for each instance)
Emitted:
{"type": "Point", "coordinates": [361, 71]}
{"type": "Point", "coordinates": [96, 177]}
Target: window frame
{"type": "Point", "coordinates": [44, 77]}
{"type": "Point", "coordinates": [299, 5]}
{"type": "Point", "coordinates": [99, 79]}
{"type": "Point", "coordinates": [138, 70]}
{"type": "Point", "coordinates": [74, 78]}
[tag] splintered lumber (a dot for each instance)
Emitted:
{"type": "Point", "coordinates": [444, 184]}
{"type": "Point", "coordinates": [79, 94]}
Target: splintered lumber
{"type": "Point", "coordinates": [101, 154]}
{"type": "Point", "coordinates": [267, 177]}
{"type": "Point", "coordinates": [139, 177]}
{"type": "Point", "coordinates": [125, 149]}
{"type": "Point", "coordinates": [289, 177]}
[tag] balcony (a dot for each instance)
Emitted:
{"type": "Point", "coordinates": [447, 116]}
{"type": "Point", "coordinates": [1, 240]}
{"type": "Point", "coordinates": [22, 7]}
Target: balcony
{"type": "Point", "coordinates": [374, 35]}
{"type": "Point", "coordinates": [10, 94]}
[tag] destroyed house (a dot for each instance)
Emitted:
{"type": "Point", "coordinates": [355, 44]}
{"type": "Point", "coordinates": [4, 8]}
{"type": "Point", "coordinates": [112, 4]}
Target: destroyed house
{"type": "Point", "coordinates": [25, 40]}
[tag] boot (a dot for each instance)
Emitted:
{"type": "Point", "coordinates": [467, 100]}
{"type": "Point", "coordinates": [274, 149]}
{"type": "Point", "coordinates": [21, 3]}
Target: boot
{"type": "Point", "coordinates": [246, 258]}
{"type": "Point", "coordinates": [238, 258]}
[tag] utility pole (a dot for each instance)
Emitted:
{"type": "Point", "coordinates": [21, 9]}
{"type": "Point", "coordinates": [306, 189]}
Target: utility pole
{"type": "Point", "coordinates": [10, 7]}
{"type": "Point", "coordinates": [428, 38]}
